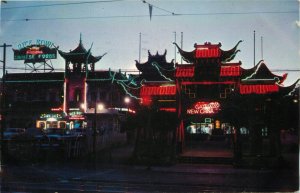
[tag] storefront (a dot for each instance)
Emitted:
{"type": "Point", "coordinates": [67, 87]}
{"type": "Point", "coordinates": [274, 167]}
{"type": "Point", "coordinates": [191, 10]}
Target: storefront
{"type": "Point", "coordinates": [54, 119]}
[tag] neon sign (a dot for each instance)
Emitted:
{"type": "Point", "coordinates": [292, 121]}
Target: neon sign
{"type": "Point", "coordinates": [185, 72]}
{"type": "Point", "coordinates": [204, 52]}
{"type": "Point", "coordinates": [168, 109]}
{"type": "Point", "coordinates": [204, 108]}
{"type": "Point", "coordinates": [35, 51]}
{"type": "Point", "coordinates": [258, 89]}
{"type": "Point", "coordinates": [39, 42]}
{"type": "Point", "coordinates": [47, 116]}
{"type": "Point", "coordinates": [230, 71]}
{"type": "Point", "coordinates": [158, 90]}
{"type": "Point", "coordinates": [56, 109]}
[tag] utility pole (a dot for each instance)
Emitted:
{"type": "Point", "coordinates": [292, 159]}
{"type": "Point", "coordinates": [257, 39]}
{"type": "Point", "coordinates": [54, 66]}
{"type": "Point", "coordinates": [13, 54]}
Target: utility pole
{"type": "Point", "coordinates": [175, 47]}
{"type": "Point", "coordinates": [181, 46]}
{"type": "Point", "coordinates": [3, 94]}
{"type": "Point", "coordinates": [140, 46]}
{"type": "Point", "coordinates": [262, 47]}
{"type": "Point", "coordinates": [254, 47]}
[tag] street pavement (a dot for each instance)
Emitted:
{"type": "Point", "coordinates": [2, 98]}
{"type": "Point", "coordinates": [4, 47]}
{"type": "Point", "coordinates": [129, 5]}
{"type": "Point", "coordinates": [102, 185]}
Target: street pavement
{"type": "Point", "coordinates": [114, 176]}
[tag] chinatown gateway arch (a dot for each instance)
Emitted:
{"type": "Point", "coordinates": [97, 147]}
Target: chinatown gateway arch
{"type": "Point", "coordinates": [208, 100]}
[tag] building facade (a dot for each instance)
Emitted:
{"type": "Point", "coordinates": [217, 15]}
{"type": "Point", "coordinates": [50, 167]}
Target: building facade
{"type": "Point", "coordinates": [214, 96]}
{"type": "Point", "coordinates": [63, 99]}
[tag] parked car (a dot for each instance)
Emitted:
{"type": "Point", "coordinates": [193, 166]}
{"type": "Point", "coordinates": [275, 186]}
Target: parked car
{"type": "Point", "coordinates": [34, 132]}
{"type": "Point", "coordinates": [52, 137]}
{"type": "Point", "coordinates": [79, 132]}
{"type": "Point", "coordinates": [9, 133]}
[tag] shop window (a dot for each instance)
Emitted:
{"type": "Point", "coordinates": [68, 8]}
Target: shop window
{"type": "Point", "coordinates": [62, 124]}
{"type": "Point", "coordinates": [264, 132]}
{"type": "Point", "coordinates": [244, 131]}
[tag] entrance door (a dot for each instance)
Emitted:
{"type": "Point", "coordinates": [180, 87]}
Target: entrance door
{"type": "Point", "coordinates": [207, 139]}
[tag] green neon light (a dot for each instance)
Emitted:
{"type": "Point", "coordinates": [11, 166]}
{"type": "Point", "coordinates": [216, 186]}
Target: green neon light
{"type": "Point", "coordinates": [127, 92]}
{"type": "Point", "coordinates": [155, 65]}
{"type": "Point", "coordinates": [32, 81]}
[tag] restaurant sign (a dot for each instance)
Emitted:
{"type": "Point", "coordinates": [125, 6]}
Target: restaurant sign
{"type": "Point", "coordinates": [35, 51]}
{"type": "Point", "coordinates": [204, 108]}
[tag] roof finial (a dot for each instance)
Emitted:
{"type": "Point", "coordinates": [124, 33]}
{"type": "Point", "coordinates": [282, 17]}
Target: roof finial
{"type": "Point", "coordinates": [80, 41]}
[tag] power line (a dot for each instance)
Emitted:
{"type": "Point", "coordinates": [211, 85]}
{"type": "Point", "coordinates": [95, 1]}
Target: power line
{"type": "Point", "coordinates": [60, 4]}
{"type": "Point", "coordinates": [140, 16]}
{"type": "Point", "coordinates": [159, 8]}
{"type": "Point", "coordinates": [157, 15]}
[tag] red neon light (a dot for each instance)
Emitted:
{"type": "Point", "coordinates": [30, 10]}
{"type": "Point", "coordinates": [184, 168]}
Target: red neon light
{"type": "Point", "coordinates": [258, 89]}
{"type": "Point", "coordinates": [146, 101]}
{"type": "Point", "coordinates": [76, 118]}
{"type": "Point", "coordinates": [185, 72]}
{"type": "Point", "coordinates": [207, 52]}
{"type": "Point", "coordinates": [204, 108]}
{"type": "Point", "coordinates": [168, 109]}
{"type": "Point", "coordinates": [230, 71]}
{"type": "Point", "coordinates": [158, 90]}
{"type": "Point", "coordinates": [56, 109]}
{"type": "Point", "coordinates": [208, 83]}
{"type": "Point", "coordinates": [34, 51]}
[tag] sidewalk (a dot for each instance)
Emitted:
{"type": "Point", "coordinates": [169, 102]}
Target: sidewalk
{"type": "Point", "coordinates": [174, 178]}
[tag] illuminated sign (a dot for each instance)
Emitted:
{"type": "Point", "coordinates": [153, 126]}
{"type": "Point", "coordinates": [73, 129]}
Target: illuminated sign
{"type": "Point", "coordinates": [168, 109]}
{"type": "Point", "coordinates": [77, 117]}
{"type": "Point", "coordinates": [35, 51]}
{"type": "Point", "coordinates": [258, 89]}
{"type": "Point", "coordinates": [204, 108]}
{"type": "Point", "coordinates": [185, 72]}
{"type": "Point", "coordinates": [230, 71]}
{"type": "Point", "coordinates": [158, 90]}
{"type": "Point", "coordinates": [38, 42]}
{"type": "Point", "coordinates": [218, 124]}
{"type": "Point", "coordinates": [56, 109]}
{"type": "Point", "coordinates": [75, 113]}
{"type": "Point", "coordinates": [53, 115]}
{"type": "Point", "coordinates": [205, 52]}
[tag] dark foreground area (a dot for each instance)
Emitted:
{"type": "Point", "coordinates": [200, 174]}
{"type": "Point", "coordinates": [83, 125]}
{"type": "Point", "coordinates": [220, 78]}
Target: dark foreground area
{"type": "Point", "coordinates": [112, 173]}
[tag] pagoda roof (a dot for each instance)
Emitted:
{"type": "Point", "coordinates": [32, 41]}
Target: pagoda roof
{"type": "Point", "coordinates": [261, 73]}
{"type": "Point", "coordinates": [156, 68]}
{"type": "Point", "coordinates": [288, 89]}
{"type": "Point", "coordinates": [193, 57]}
{"type": "Point", "coordinates": [80, 55]}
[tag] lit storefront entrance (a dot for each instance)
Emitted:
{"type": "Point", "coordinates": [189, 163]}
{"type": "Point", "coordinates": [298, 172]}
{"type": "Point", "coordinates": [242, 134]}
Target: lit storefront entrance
{"type": "Point", "coordinates": [206, 133]}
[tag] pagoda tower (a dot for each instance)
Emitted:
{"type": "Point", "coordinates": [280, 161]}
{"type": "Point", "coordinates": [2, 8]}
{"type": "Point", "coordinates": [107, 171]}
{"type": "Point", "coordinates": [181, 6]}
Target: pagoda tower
{"type": "Point", "coordinates": [82, 62]}
{"type": "Point", "coordinates": [156, 68]}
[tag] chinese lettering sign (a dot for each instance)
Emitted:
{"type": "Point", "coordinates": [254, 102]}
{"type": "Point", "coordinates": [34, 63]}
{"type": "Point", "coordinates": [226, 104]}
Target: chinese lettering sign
{"type": "Point", "coordinates": [204, 108]}
{"type": "Point", "coordinates": [37, 51]}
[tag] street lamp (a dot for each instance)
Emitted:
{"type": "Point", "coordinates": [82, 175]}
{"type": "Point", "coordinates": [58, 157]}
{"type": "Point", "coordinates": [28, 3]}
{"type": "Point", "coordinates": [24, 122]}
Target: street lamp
{"type": "Point", "coordinates": [83, 106]}
{"type": "Point", "coordinates": [127, 101]}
